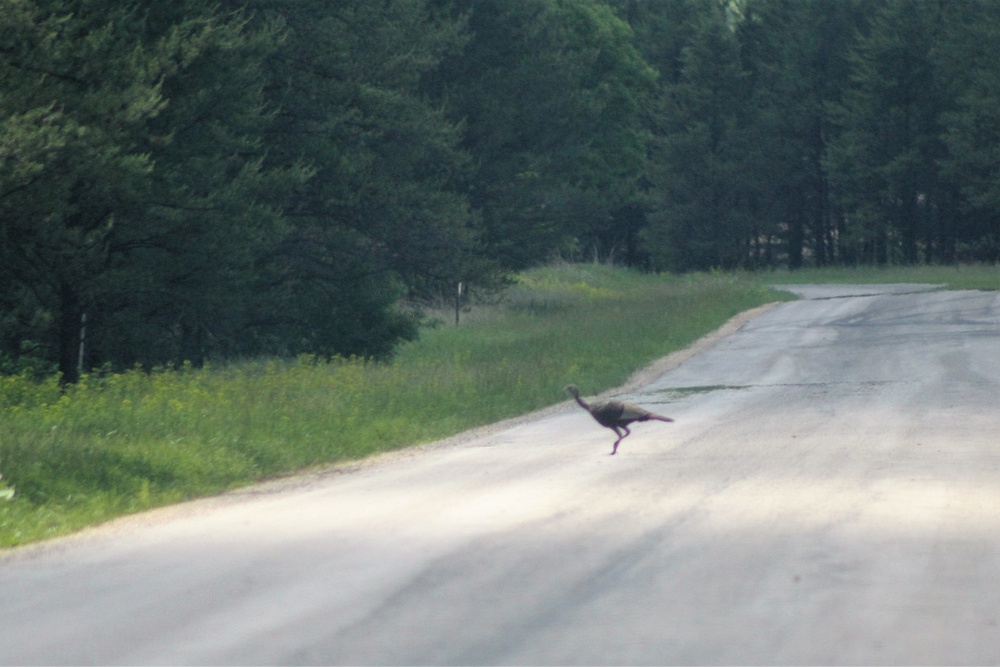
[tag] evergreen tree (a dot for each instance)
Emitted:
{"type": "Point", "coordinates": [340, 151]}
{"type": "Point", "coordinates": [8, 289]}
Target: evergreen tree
{"type": "Point", "coordinates": [701, 221]}
{"type": "Point", "coordinates": [551, 95]}
{"type": "Point", "coordinates": [968, 60]}
{"type": "Point", "coordinates": [661, 32]}
{"type": "Point", "coordinates": [141, 194]}
{"type": "Point", "coordinates": [212, 207]}
{"type": "Point", "coordinates": [76, 91]}
{"type": "Point", "coordinates": [384, 212]}
{"type": "Point", "coordinates": [797, 53]}
{"type": "Point", "coordinates": [884, 161]}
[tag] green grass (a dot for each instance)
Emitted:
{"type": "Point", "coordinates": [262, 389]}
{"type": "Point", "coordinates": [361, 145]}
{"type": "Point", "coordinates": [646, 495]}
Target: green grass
{"type": "Point", "coordinates": [976, 276]}
{"type": "Point", "coordinates": [127, 442]}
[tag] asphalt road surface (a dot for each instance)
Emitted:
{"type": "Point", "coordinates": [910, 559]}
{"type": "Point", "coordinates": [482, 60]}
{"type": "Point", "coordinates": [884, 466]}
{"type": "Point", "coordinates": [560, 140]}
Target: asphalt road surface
{"type": "Point", "coordinates": [830, 493]}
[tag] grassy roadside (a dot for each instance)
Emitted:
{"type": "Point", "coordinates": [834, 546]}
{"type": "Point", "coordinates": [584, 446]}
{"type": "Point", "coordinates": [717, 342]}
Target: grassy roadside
{"type": "Point", "coordinates": [124, 443]}
{"type": "Point", "coordinates": [978, 276]}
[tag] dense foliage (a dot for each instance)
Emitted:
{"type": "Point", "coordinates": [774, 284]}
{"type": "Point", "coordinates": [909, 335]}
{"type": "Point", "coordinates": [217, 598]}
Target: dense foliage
{"type": "Point", "coordinates": [194, 181]}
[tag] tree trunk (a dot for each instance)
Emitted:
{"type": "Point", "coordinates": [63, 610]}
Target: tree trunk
{"type": "Point", "coordinates": [908, 228]}
{"type": "Point", "coordinates": [796, 238]}
{"type": "Point", "coordinates": [193, 344]}
{"type": "Point", "coordinates": [70, 312]}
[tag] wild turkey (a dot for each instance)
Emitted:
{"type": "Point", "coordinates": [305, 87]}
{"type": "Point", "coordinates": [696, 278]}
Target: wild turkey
{"type": "Point", "coordinates": [616, 415]}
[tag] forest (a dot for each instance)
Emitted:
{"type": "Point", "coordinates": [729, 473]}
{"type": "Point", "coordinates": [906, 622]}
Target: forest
{"type": "Point", "coordinates": [192, 182]}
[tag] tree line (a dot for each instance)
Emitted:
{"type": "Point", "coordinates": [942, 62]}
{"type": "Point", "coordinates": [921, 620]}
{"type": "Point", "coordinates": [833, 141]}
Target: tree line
{"type": "Point", "coordinates": [192, 181]}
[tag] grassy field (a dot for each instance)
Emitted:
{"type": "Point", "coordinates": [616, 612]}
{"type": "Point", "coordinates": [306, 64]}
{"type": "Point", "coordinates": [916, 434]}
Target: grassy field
{"type": "Point", "coordinates": [127, 442]}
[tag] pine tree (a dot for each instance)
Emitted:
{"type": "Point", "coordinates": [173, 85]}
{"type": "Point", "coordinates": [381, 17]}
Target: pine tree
{"type": "Point", "coordinates": [76, 92]}
{"type": "Point", "coordinates": [144, 178]}
{"type": "Point", "coordinates": [883, 163]}
{"type": "Point", "coordinates": [967, 60]}
{"type": "Point", "coordinates": [552, 96]}
{"type": "Point", "coordinates": [384, 214]}
{"type": "Point", "coordinates": [797, 53]}
{"type": "Point", "coordinates": [701, 222]}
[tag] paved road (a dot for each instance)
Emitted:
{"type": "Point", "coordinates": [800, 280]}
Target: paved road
{"type": "Point", "coordinates": [830, 493]}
